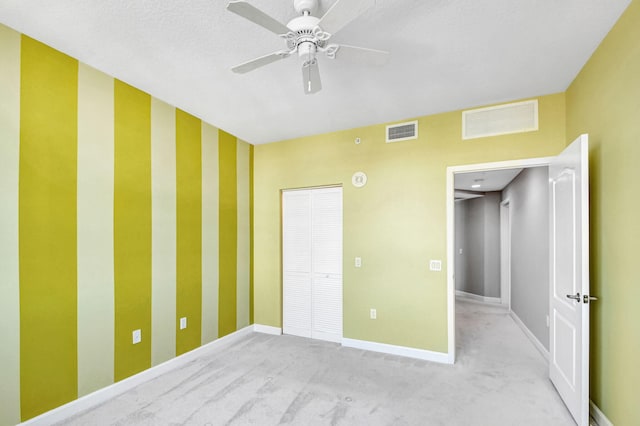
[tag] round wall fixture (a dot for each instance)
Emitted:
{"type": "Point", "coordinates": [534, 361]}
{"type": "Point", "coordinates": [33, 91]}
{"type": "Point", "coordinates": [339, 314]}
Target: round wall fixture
{"type": "Point", "coordinates": [359, 179]}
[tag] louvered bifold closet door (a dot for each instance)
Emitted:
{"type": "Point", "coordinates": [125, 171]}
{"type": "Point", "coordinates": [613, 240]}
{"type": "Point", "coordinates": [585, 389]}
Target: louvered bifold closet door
{"type": "Point", "coordinates": [296, 264]}
{"type": "Point", "coordinates": [326, 259]}
{"type": "Point", "coordinates": [312, 263]}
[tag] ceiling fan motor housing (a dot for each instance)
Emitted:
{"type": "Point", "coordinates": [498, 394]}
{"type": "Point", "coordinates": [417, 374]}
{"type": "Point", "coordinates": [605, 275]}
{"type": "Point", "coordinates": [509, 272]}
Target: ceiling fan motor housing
{"type": "Point", "coordinates": [303, 37]}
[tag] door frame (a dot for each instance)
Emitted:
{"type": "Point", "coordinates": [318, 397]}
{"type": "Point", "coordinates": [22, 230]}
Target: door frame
{"type": "Point", "coordinates": [505, 253]}
{"type": "Point", "coordinates": [451, 287]}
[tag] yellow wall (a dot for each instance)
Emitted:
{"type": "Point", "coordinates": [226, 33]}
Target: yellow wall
{"type": "Point", "coordinates": [109, 208]}
{"type": "Point", "coordinates": [396, 223]}
{"type": "Point", "coordinates": [604, 101]}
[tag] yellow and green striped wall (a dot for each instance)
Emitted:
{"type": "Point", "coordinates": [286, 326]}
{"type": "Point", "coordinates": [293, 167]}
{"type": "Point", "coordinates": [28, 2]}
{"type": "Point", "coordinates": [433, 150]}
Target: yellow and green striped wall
{"type": "Point", "coordinates": [117, 212]}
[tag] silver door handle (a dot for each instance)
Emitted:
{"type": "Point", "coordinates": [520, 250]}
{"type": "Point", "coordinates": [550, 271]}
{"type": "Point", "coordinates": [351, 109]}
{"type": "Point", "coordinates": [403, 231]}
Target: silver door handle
{"type": "Point", "coordinates": [586, 298]}
{"type": "Point", "coordinates": [575, 297]}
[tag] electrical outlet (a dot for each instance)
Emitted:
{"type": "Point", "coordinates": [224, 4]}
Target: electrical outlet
{"type": "Point", "coordinates": [137, 336]}
{"type": "Point", "coordinates": [358, 262]}
{"type": "Point", "coordinates": [183, 323]}
{"type": "Point", "coordinates": [373, 314]}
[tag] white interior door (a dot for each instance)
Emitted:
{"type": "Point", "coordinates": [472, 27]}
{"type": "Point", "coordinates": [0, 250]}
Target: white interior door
{"type": "Point", "coordinates": [326, 263]}
{"type": "Point", "coordinates": [312, 263]}
{"type": "Point", "coordinates": [296, 263]}
{"type": "Point", "coordinates": [569, 277]}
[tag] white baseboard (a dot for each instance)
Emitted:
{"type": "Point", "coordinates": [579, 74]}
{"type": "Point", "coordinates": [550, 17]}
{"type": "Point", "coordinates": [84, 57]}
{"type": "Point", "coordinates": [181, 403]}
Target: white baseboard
{"type": "Point", "coordinates": [539, 346]}
{"type": "Point", "coordinates": [267, 329]}
{"type": "Point", "coordinates": [598, 416]}
{"type": "Point", "coordinates": [98, 397]}
{"type": "Point", "coordinates": [423, 354]}
{"type": "Point", "coordinates": [484, 299]}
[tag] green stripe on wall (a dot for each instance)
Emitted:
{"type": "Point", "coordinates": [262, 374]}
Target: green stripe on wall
{"type": "Point", "coordinates": [9, 265]}
{"type": "Point", "coordinates": [163, 221]}
{"type": "Point", "coordinates": [251, 321]}
{"type": "Point", "coordinates": [189, 230]}
{"type": "Point", "coordinates": [132, 229]}
{"type": "Point", "coordinates": [227, 153]}
{"type": "Point", "coordinates": [244, 237]}
{"type": "Point", "coordinates": [47, 228]}
{"type": "Point", "coordinates": [95, 230]}
{"type": "Point", "coordinates": [210, 213]}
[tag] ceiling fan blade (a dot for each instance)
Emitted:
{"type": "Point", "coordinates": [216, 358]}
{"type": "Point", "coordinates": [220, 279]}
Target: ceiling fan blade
{"type": "Point", "coordinates": [360, 55]}
{"type": "Point", "coordinates": [257, 16]}
{"type": "Point", "coordinates": [259, 62]}
{"type": "Point", "coordinates": [311, 77]}
{"type": "Point", "coordinates": [342, 12]}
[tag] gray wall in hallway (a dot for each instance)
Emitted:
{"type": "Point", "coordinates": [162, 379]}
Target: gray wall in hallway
{"type": "Point", "coordinates": [477, 223]}
{"type": "Point", "coordinates": [460, 235]}
{"type": "Point", "coordinates": [528, 196]}
{"type": "Point", "coordinates": [474, 242]}
{"type": "Point", "coordinates": [492, 244]}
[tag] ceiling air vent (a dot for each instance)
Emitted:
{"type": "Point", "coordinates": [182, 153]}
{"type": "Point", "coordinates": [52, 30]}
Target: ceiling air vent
{"type": "Point", "coordinates": [518, 117]}
{"type": "Point", "coordinates": [402, 131]}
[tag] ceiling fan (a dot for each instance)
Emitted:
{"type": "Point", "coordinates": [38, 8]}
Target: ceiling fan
{"type": "Point", "coordinates": [307, 35]}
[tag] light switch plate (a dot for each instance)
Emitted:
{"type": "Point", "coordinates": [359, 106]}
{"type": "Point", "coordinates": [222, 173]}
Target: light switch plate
{"type": "Point", "coordinates": [358, 262]}
{"type": "Point", "coordinates": [435, 265]}
{"type": "Point", "coordinates": [183, 323]}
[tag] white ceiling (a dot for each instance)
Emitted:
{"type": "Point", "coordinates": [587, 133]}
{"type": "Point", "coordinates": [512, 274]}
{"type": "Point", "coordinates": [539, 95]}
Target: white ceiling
{"type": "Point", "coordinates": [493, 180]}
{"type": "Point", "coordinates": [445, 55]}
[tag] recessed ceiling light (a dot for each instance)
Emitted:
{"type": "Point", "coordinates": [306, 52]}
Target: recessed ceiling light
{"type": "Point", "coordinates": [476, 185]}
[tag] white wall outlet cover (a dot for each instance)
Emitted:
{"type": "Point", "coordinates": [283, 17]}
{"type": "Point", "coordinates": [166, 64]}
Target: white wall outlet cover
{"type": "Point", "coordinates": [359, 179]}
{"type": "Point", "coordinates": [357, 141]}
{"type": "Point", "coordinates": [183, 323]}
{"type": "Point", "coordinates": [358, 262]}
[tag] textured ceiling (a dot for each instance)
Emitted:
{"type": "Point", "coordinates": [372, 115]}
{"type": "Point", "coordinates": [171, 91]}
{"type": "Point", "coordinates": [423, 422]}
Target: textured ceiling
{"type": "Point", "coordinates": [493, 180]}
{"type": "Point", "coordinates": [445, 55]}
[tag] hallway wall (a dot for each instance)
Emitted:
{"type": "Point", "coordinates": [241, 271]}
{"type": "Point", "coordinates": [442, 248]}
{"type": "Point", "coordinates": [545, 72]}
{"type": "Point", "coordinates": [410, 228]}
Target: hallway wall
{"type": "Point", "coordinates": [528, 196]}
{"type": "Point", "coordinates": [460, 226]}
{"type": "Point", "coordinates": [478, 235]}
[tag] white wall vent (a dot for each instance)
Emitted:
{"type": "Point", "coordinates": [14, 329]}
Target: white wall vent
{"type": "Point", "coordinates": [402, 131]}
{"type": "Point", "coordinates": [518, 117]}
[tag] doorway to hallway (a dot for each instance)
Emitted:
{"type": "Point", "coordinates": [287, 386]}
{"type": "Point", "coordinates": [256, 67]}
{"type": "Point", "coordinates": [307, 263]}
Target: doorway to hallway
{"type": "Point", "coordinates": [502, 231]}
{"type": "Point", "coordinates": [568, 261]}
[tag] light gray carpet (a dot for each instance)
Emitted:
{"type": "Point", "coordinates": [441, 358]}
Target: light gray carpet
{"type": "Point", "coordinates": [499, 379]}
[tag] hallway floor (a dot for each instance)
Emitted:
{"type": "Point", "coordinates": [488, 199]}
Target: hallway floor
{"type": "Point", "coordinates": [499, 379]}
